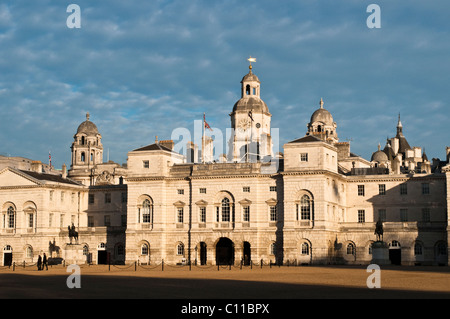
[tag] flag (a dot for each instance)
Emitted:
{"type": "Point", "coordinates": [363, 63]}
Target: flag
{"type": "Point", "coordinates": [250, 115]}
{"type": "Point", "coordinates": [50, 159]}
{"type": "Point", "coordinates": [206, 124]}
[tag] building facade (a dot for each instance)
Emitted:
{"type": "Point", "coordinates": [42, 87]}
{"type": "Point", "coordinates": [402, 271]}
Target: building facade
{"type": "Point", "coordinates": [313, 203]}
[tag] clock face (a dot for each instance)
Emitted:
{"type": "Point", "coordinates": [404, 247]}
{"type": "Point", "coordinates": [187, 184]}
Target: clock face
{"type": "Point", "coordinates": [244, 124]}
{"type": "Point", "coordinates": [258, 125]}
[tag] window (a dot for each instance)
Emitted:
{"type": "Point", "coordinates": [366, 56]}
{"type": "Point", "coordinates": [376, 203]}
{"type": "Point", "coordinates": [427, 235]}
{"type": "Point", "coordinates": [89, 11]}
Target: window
{"type": "Point", "coordinates": [202, 190]}
{"type": "Point", "coordinates": [425, 214]}
{"type": "Point", "coordinates": [305, 249]}
{"type": "Point", "coordinates": [180, 249]}
{"type": "Point", "coordinates": [382, 189]}
{"type": "Point", "coordinates": [107, 220]}
{"type": "Point", "coordinates": [273, 213]}
{"type": "Point", "coordinates": [73, 198]}
{"type": "Point", "coordinates": [303, 157]}
{"type": "Point", "coordinates": [145, 164]}
{"type": "Point", "coordinates": [217, 213]}
{"type": "Point", "coordinates": [91, 198]}
{"type": "Point", "coordinates": [51, 195]}
{"type": "Point", "coordinates": [50, 219]}
{"type": "Point", "coordinates": [62, 197]}
{"type": "Point", "coordinates": [382, 215]}
{"type": "Point", "coordinates": [61, 220]}
{"type": "Point", "coordinates": [180, 214]}
{"type": "Point", "coordinates": [403, 215]}
{"type": "Point", "coordinates": [180, 191]}
{"type": "Point", "coordinates": [11, 213]}
{"type": "Point", "coordinates": [246, 214]}
{"type": "Point", "coordinates": [417, 249]}
{"type": "Point", "coordinates": [361, 216]}
{"type": "Point", "coordinates": [85, 250]}
{"type": "Point", "coordinates": [351, 249]}
{"type": "Point", "coordinates": [29, 252]}
{"type": "Point", "coordinates": [107, 198]}
{"type": "Point", "coordinates": [144, 249]}
{"type": "Point", "coordinates": [425, 189]}
{"type": "Point", "coordinates": [305, 208]}
{"type": "Point", "coordinates": [273, 249]}
{"type": "Point", "coordinates": [361, 190]}
{"type": "Point", "coordinates": [146, 211]}
{"type": "Point", "coordinates": [30, 220]}
{"type": "Point", "coordinates": [83, 157]}
{"type": "Point", "coordinates": [273, 188]}
{"type": "Point", "coordinates": [203, 214]}
{"type": "Point", "coordinates": [246, 189]}
{"type": "Point", "coordinates": [225, 210]}
{"type": "Point", "coordinates": [90, 221]}
{"type": "Point", "coordinates": [403, 189]}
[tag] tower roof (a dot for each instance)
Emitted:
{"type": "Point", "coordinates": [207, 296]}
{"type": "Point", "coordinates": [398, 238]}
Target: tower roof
{"type": "Point", "coordinates": [87, 127]}
{"type": "Point", "coordinates": [322, 115]}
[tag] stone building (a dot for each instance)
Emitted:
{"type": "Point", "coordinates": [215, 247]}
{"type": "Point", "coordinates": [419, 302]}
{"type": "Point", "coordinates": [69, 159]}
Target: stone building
{"type": "Point", "coordinates": [314, 203]}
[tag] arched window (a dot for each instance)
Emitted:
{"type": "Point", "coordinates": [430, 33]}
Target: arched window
{"type": "Point", "coordinates": [247, 89]}
{"type": "Point", "coordinates": [273, 249]}
{"type": "Point", "coordinates": [83, 140]}
{"type": "Point", "coordinates": [351, 249]}
{"type": "Point", "coordinates": [225, 210]}
{"type": "Point", "coordinates": [180, 249]}
{"type": "Point", "coordinates": [144, 249]}
{"type": "Point", "coordinates": [305, 208]}
{"type": "Point", "coordinates": [305, 249]}
{"type": "Point", "coordinates": [11, 217]}
{"type": "Point", "coordinates": [146, 211]}
{"type": "Point", "coordinates": [417, 249]}
{"type": "Point", "coordinates": [83, 157]}
{"type": "Point", "coordinates": [29, 252]}
{"type": "Point", "coordinates": [85, 250]}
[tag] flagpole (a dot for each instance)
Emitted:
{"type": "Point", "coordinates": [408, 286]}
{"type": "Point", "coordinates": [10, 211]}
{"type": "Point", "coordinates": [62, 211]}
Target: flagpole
{"type": "Point", "coordinates": [203, 139]}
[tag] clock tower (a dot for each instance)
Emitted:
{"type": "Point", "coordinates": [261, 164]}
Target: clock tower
{"type": "Point", "coordinates": [250, 121]}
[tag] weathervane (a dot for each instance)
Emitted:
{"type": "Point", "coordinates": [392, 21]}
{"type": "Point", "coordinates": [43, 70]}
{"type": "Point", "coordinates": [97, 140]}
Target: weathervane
{"type": "Point", "coordinates": [250, 59]}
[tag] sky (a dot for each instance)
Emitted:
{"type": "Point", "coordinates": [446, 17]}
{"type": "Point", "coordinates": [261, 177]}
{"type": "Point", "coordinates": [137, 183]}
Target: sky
{"type": "Point", "coordinates": [144, 68]}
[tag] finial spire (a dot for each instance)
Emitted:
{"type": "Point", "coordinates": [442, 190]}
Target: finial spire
{"type": "Point", "coordinates": [321, 103]}
{"type": "Point", "coordinates": [250, 59]}
{"type": "Point", "coordinates": [87, 116]}
{"type": "Point", "coordinates": [156, 139]}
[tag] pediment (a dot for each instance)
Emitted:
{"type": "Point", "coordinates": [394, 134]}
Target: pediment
{"type": "Point", "coordinates": [12, 177]}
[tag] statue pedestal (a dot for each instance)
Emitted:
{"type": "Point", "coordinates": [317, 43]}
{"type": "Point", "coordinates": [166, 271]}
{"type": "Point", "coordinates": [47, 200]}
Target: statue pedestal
{"type": "Point", "coordinates": [73, 254]}
{"type": "Point", "coordinates": [380, 253]}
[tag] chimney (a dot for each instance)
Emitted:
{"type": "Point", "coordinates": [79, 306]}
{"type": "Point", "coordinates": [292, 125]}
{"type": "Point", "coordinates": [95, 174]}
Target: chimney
{"type": "Point", "coordinates": [168, 144]}
{"type": "Point", "coordinates": [36, 166]}
{"type": "Point", "coordinates": [64, 171]}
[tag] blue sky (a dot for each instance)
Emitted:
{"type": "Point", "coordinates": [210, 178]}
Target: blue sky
{"type": "Point", "coordinates": [144, 68]}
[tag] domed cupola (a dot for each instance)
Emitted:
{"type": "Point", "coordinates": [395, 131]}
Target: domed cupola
{"type": "Point", "coordinates": [322, 125]}
{"type": "Point", "coordinates": [87, 148]}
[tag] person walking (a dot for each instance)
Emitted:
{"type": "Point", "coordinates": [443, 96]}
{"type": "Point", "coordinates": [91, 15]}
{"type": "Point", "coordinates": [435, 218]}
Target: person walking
{"type": "Point", "coordinates": [44, 262]}
{"type": "Point", "coordinates": [39, 262]}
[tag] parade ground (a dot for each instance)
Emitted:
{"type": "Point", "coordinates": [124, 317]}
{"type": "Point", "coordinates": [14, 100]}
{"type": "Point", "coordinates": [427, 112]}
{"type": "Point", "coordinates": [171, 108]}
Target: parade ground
{"type": "Point", "coordinates": [305, 282]}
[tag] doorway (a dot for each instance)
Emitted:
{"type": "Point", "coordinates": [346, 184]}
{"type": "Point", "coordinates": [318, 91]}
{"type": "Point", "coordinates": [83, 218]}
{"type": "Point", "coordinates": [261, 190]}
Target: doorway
{"type": "Point", "coordinates": [395, 253]}
{"type": "Point", "coordinates": [7, 259]}
{"type": "Point", "coordinates": [247, 257]}
{"type": "Point", "coordinates": [224, 252]}
{"type": "Point", "coordinates": [102, 257]}
{"type": "Point", "coordinates": [202, 253]}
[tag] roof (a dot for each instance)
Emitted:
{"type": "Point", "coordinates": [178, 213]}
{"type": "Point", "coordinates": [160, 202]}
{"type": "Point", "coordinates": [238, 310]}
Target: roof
{"type": "Point", "coordinates": [322, 115]}
{"type": "Point", "coordinates": [306, 139]}
{"type": "Point", "coordinates": [87, 127]}
{"type": "Point", "coordinates": [251, 104]}
{"type": "Point", "coordinates": [49, 177]}
{"type": "Point", "coordinates": [153, 147]}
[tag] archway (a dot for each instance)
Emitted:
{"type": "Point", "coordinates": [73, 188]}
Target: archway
{"type": "Point", "coordinates": [395, 253]}
{"type": "Point", "coordinates": [247, 255]}
{"type": "Point", "coordinates": [202, 253]}
{"type": "Point", "coordinates": [224, 251]}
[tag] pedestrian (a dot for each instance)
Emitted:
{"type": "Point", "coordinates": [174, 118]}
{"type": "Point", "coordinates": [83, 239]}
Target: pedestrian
{"type": "Point", "coordinates": [39, 262]}
{"type": "Point", "coordinates": [44, 262]}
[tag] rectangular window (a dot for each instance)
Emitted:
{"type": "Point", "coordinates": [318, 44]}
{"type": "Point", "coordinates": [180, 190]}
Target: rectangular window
{"type": "Point", "coordinates": [202, 190]}
{"type": "Point", "coordinates": [246, 214]}
{"type": "Point", "coordinates": [403, 189]}
{"type": "Point", "coordinates": [180, 191]}
{"type": "Point", "coordinates": [303, 157]}
{"type": "Point", "coordinates": [425, 214]}
{"type": "Point", "coordinates": [403, 215]}
{"type": "Point", "coordinates": [273, 188]}
{"type": "Point", "coordinates": [50, 220]}
{"type": "Point", "coordinates": [382, 215]}
{"type": "Point", "coordinates": [273, 213]}
{"type": "Point", "coordinates": [107, 220]}
{"type": "Point", "coordinates": [202, 214]}
{"type": "Point", "coordinates": [73, 198]}
{"type": "Point", "coordinates": [90, 221]}
{"type": "Point", "coordinates": [91, 198]}
{"type": "Point", "coordinates": [217, 213]}
{"type": "Point", "coordinates": [145, 164]}
{"type": "Point", "coordinates": [361, 190]}
{"type": "Point", "coordinates": [180, 215]}
{"type": "Point", "coordinates": [107, 198]}
{"type": "Point", "coordinates": [425, 189]}
{"type": "Point", "coordinates": [30, 220]}
{"type": "Point", "coordinates": [246, 189]}
{"type": "Point", "coordinates": [61, 220]}
{"type": "Point", "coordinates": [382, 189]}
{"type": "Point", "coordinates": [51, 195]}
{"type": "Point", "coordinates": [62, 197]}
{"type": "Point", "coordinates": [361, 216]}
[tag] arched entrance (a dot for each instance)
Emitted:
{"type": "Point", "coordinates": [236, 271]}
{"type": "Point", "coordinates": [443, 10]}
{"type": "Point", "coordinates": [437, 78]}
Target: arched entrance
{"type": "Point", "coordinates": [395, 253]}
{"type": "Point", "coordinates": [224, 251]}
{"type": "Point", "coordinates": [202, 253]}
{"type": "Point", "coordinates": [247, 253]}
{"type": "Point", "coordinates": [102, 254]}
{"type": "Point", "coordinates": [7, 255]}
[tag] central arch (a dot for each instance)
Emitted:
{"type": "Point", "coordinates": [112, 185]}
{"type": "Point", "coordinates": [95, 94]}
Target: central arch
{"type": "Point", "coordinates": [224, 251]}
